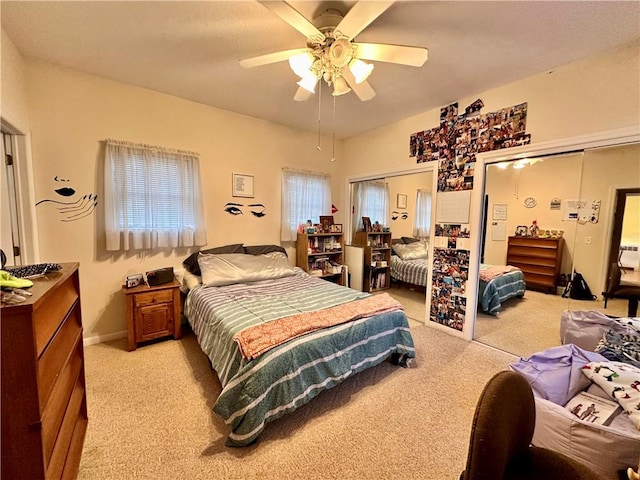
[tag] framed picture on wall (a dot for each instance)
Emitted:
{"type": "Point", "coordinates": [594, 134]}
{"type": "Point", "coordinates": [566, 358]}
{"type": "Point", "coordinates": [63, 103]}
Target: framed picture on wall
{"type": "Point", "coordinates": [402, 200]}
{"type": "Point", "coordinates": [242, 185]}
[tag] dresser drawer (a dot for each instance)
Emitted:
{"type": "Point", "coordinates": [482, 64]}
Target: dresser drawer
{"type": "Point", "coordinates": [75, 410]}
{"type": "Point", "coordinates": [58, 352]}
{"type": "Point", "coordinates": [151, 298]}
{"type": "Point", "coordinates": [69, 381]}
{"type": "Point", "coordinates": [47, 320]}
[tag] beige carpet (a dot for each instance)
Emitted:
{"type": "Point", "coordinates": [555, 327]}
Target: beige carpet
{"type": "Point", "coordinates": [532, 324]}
{"type": "Point", "coordinates": [150, 417]}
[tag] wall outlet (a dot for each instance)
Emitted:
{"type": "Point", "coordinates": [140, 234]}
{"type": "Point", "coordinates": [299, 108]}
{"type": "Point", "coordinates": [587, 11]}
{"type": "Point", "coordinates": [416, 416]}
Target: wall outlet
{"type": "Point", "coordinates": [587, 240]}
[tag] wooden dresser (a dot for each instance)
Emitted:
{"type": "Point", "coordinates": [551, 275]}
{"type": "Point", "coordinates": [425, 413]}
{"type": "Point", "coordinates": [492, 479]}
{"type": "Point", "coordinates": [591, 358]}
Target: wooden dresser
{"type": "Point", "coordinates": [44, 408]}
{"type": "Point", "coordinates": [539, 259]}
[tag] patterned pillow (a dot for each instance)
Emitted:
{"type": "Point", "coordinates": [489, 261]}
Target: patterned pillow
{"type": "Point", "coordinates": [620, 347]}
{"type": "Point", "coordinates": [621, 381]}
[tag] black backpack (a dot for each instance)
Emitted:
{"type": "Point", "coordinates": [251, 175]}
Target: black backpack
{"type": "Point", "coordinates": [578, 289]}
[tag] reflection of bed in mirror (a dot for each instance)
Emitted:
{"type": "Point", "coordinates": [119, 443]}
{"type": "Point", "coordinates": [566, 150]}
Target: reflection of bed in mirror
{"type": "Point", "coordinates": [409, 262]}
{"type": "Point", "coordinates": [499, 283]}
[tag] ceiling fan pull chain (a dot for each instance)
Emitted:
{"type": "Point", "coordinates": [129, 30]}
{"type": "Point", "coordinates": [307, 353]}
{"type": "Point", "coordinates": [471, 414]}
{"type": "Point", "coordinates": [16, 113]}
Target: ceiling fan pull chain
{"type": "Point", "coordinates": [333, 132]}
{"type": "Point", "coordinates": [319, 105]}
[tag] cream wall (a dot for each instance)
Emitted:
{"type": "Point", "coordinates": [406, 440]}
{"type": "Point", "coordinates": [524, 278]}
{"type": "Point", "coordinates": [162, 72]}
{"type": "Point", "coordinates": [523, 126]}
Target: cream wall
{"type": "Point", "coordinates": [71, 113]}
{"type": "Point", "coordinates": [13, 97]}
{"type": "Point", "coordinates": [407, 185]}
{"type": "Point", "coordinates": [553, 177]}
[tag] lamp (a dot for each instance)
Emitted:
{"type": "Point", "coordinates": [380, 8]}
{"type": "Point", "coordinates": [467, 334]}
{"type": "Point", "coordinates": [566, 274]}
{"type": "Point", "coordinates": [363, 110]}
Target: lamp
{"type": "Point", "coordinates": [340, 87]}
{"type": "Point", "coordinates": [328, 62]}
{"type": "Point", "coordinates": [301, 63]}
{"type": "Point", "coordinates": [360, 70]}
{"type": "Point", "coordinates": [308, 81]}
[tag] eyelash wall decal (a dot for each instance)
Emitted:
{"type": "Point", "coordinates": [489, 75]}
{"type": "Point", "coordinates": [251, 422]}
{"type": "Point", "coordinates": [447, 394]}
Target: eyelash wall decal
{"type": "Point", "coordinates": [394, 215]}
{"type": "Point", "coordinates": [259, 210]}
{"type": "Point", "coordinates": [232, 208]}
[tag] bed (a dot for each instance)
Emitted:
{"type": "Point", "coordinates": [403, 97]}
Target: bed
{"type": "Point", "coordinates": [497, 284]}
{"type": "Point", "coordinates": [231, 303]}
{"type": "Point", "coordinates": [409, 261]}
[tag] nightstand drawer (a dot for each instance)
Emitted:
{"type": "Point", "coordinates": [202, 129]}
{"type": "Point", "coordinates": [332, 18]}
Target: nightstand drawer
{"type": "Point", "coordinates": [151, 298]}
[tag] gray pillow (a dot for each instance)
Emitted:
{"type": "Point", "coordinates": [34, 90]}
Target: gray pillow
{"type": "Point", "coordinates": [263, 249]}
{"type": "Point", "coordinates": [191, 262]}
{"type": "Point", "coordinates": [410, 240]}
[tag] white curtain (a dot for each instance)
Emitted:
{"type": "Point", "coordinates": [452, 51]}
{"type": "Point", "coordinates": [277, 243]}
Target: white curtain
{"type": "Point", "coordinates": [422, 221]}
{"type": "Point", "coordinates": [152, 197]}
{"type": "Point", "coordinates": [370, 199]}
{"type": "Point", "coordinates": [305, 196]}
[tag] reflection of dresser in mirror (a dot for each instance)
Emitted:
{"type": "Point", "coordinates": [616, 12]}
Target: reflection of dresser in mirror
{"type": "Point", "coordinates": [539, 259]}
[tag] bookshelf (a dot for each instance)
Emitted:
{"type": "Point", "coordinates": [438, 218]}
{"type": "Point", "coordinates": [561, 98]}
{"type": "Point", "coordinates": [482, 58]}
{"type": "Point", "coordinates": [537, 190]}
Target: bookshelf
{"type": "Point", "coordinates": [377, 259]}
{"type": "Point", "coordinates": [321, 255]}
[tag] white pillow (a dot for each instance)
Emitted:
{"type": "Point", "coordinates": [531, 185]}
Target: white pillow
{"type": "Point", "coordinates": [410, 251]}
{"type": "Point", "coordinates": [621, 381]}
{"type": "Point", "coordinates": [225, 269]}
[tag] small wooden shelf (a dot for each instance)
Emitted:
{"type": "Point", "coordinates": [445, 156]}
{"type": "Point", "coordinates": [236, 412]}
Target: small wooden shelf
{"type": "Point", "coordinates": [377, 259]}
{"type": "Point", "coordinates": [322, 251]}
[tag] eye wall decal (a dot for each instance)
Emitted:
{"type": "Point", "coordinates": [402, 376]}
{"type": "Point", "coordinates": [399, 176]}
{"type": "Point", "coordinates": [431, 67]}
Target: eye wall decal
{"type": "Point", "coordinates": [256, 209]}
{"type": "Point", "coordinates": [232, 208]}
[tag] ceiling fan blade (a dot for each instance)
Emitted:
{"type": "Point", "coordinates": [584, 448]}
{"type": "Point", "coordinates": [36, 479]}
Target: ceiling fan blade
{"type": "Point", "coordinates": [302, 94]}
{"type": "Point", "coordinates": [413, 56]}
{"type": "Point", "coordinates": [361, 15]}
{"type": "Point", "coordinates": [270, 58]}
{"type": "Point", "coordinates": [294, 18]}
{"type": "Point", "coordinates": [362, 90]}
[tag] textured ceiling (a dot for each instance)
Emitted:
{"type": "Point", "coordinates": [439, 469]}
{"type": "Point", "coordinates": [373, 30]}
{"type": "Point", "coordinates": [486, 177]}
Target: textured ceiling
{"type": "Point", "coordinates": [191, 50]}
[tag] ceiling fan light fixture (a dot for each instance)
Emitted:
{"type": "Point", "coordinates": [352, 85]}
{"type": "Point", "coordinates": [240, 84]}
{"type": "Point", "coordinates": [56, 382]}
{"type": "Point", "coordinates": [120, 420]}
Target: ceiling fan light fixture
{"type": "Point", "coordinates": [360, 70]}
{"type": "Point", "coordinates": [340, 87]}
{"type": "Point", "coordinates": [308, 82]}
{"type": "Point", "coordinates": [301, 63]}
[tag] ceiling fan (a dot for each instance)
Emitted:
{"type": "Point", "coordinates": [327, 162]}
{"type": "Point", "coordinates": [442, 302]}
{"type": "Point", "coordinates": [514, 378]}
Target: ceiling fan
{"type": "Point", "coordinates": [331, 53]}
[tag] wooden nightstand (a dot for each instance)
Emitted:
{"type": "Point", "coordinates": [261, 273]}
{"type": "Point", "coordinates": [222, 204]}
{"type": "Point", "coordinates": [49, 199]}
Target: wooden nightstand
{"type": "Point", "coordinates": [152, 312]}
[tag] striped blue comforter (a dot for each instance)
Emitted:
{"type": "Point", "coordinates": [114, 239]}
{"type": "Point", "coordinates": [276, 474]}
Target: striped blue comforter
{"type": "Point", "coordinates": [410, 271]}
{"type": "Point", "coordinates": [508, 285]}
{"type": "Point", "coordinates": [257, 391]}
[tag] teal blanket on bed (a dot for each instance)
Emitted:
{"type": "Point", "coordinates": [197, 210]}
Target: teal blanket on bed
{"type": "Point", "coordinates": [257, 391]}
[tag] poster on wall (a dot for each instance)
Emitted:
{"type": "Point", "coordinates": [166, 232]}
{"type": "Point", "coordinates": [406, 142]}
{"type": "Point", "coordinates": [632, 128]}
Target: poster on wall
{"type": "Point", "coordinates": [455, 142]}
{"type": "Point", "coordinates": [449, 277]}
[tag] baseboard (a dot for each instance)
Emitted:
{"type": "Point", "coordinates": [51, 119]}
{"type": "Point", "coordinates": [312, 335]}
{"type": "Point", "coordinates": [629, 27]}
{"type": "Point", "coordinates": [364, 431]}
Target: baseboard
{"type": "Point", "coordinates": [104, 338]}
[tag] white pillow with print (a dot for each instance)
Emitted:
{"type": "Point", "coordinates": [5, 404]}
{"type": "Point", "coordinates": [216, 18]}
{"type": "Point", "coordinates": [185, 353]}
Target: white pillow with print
{"type": "Point", "coordinates": [621, 381]}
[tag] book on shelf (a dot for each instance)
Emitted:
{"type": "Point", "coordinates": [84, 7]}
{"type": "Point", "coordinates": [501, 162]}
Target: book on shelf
{"type": "Point", "coordinates": [592, 408]}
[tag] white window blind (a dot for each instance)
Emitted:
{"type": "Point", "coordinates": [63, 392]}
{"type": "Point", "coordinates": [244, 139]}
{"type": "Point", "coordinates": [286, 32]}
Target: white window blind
{"type": "Point", "coordinates": [371, 199]}
{"type": "Point", "coordinates": [422, 222]}
{"type": "Point", "coordinates": [305, 196]}
{"type": "Point", "coordinates": [152, 197]}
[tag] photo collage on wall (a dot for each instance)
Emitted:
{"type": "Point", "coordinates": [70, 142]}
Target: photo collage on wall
{"type": "Point", "coordinates": [455, 142]}
{"type": "Point", "coordinates": [449, 278]}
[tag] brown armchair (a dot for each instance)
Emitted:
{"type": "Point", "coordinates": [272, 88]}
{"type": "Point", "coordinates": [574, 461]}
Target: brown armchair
{"type": "Point", "coordinates": [500, 445]}
{"type": "Point", "coordinates": [615, 290]}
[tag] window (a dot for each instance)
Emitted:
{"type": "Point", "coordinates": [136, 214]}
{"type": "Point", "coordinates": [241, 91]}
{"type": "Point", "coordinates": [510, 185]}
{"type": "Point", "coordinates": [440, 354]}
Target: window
{"type": "Point", "coordinates": [371, 199]}
{"type": "Point", "coordinates": [152, 197]}
{"type": "Point", "coordinates": [305, 196]}
{"type": "Point", "coordinates": [422, 222]}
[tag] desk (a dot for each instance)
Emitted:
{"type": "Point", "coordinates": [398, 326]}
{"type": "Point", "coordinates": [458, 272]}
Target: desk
{"type": "Point", "coordinates": [630, 277]}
